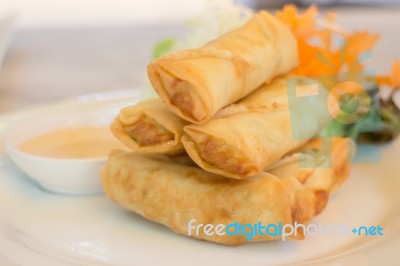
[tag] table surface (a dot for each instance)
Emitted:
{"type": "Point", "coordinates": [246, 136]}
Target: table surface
{"type": "Point", "coordinates": [46, 65]}
{"type": "Point", "coordinates": [50, 64]}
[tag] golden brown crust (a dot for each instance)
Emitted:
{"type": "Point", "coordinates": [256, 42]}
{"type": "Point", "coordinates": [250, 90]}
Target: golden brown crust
{"type": "Point", "coordinates": [149, 127]}
{"type": "Point", "coordinates": [168, 192]}
{"type": "Point", "coordinates": [260, 140]}
{"type": "Point", "coordinates": [248, 137]}
{"type": "Point", "coordinates": [340, 152]}
{"type": "Point", "coordinates": [173, 194]}
{"type": "Point", "coordinates": [318, 177]}
{"type": "Point", "coordinates": [197, 83]}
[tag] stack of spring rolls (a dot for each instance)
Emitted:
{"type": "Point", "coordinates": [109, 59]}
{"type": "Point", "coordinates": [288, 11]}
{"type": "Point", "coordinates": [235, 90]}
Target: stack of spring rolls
{"type": "Point", "coordinates": [220, 146]}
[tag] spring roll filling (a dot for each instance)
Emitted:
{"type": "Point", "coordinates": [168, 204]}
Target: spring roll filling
{"type": "Point", "coordinates": [182, 95]}
{"type": "Point", "coordinates": [222, 155]}
{"type": "Point", "coordinates": [147, 132]}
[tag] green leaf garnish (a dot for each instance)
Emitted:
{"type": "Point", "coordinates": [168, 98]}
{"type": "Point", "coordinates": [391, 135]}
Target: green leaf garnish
{"type": "Point", "coordinates": [162, 47]}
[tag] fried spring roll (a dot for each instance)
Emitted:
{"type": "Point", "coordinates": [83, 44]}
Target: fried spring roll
{"type": "Point", "coordinates": [197, 83]}
{"type": "Point", "coordinates": [267, 98]}
{"type": "Point", "coordinates": [173, 194]}
{"type": "Point", "coordinates": [320, 169]}
{"type": "Point", "coordinates": [338, 151]}
{"type": "Point", "coordinates": [243, 143]}
{"type": "Point", "coordinates": [149, 127]}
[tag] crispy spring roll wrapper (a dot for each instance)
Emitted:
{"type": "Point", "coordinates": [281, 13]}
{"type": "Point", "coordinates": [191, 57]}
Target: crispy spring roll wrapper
{"type": "Point", "coordinates": [271, 96]}
{"type": "Point", "coordinates": [320, 171]}
{"type": "Point", "coordinates": [149, 127]}
{"type": "Point", "coordinates": [338, 151]}
{"type": "Point", "coordinates": [197, 83]}
{"type": "Point", "coordinates": [246, 139]}
{"type": "Point", "coordinates": [315, 156]}
{"type": "Point", "coordinates": [171, 193]}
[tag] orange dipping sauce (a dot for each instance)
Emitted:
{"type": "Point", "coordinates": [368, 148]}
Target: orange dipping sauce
{"type": "Point", "coordinates": [73, 143]}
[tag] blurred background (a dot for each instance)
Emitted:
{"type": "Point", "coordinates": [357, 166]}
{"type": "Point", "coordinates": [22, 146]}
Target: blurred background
{"type": "Point", "coordinates": [53, 49]}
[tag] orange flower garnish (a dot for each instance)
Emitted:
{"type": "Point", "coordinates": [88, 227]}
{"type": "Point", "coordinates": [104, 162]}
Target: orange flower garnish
{"type": "Point", "coordinates": [356, 44]}
{"type": "Point", "coordinates": [393, 80]}
{"type": "Point", "coordinates": [326, 33]}
{"type": "Point", "coordinates": [302, 25]}
{"type": "Point", "coordinates": [395, 74]}
{"type": "Point", "coordinates": [317, 54]}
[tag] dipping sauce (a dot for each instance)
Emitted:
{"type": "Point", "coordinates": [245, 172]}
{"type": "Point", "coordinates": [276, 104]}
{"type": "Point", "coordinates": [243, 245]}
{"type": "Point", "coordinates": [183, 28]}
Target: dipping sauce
{"type": "Point", "coordinates": [75, 142]}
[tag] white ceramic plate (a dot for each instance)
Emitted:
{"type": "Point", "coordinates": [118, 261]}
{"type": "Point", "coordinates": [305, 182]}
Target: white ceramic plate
{"type": "Point", "coordinates": [41, 228]}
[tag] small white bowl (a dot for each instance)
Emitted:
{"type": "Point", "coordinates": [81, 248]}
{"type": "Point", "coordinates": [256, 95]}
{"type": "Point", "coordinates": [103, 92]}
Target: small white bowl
{"type": "Point", "coordinates": [71, 176]}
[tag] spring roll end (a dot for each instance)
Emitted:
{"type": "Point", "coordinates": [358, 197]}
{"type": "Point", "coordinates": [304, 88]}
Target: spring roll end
{"type": "Point", "coordinates": [179, 94]}
{"type": "Point", "coordinates": [145, 135]}
{"type": "Point", "coordinates": [217, 157]}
